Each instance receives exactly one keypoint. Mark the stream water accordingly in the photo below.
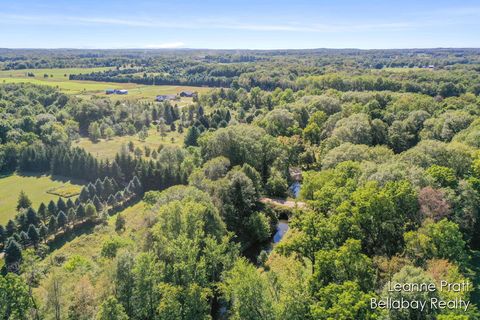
(282, 228)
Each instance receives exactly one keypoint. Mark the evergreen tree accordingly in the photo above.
(70, 203)
(97, 203)
(52, 208)
(71, 215)
(62, 219)
(13, 252)
(11, 228)
(52, 225)
(61, 205)
(107, 188)
(84, 195)
(23, 201)
(116, 172)
(42, 212)
(114, 185)
(111, 200)
(192, 136)
(99, 187)
(33, 235)
(91, 190)
(90, 210)
(43, 231)
(21, 219)
(16, 237)
(31, 217)
(24, 238)
(80, 213)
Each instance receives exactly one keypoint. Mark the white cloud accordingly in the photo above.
(166, 45)
(418, 20)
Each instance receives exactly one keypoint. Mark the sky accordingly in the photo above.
(230, 24)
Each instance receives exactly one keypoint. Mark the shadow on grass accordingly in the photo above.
(53, 177)
(86, 227)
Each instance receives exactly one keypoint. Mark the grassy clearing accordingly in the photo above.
(83, 255)
(59, 74)
(87, 89)
(107, 149)
(90, 245)
(35, 186)
(65, 191)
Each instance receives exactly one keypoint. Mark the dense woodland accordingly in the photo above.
(389, 151)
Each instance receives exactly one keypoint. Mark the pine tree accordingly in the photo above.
(42, 212)
(111, 200)
(17, 238)
(52, 208)
(116, 172)
(84, 195)
(97, 203)
(99, 187)
(31, 217)
(192, 136)
(70, 203)
(80, 213)
(62, 219)
(61, 205)
(91, 190)
(21, 219)
(11, 228)
(13, 252)
(43, 231)
(90, 210)
(33, 235)
(23, 201)
(52, 225)
(71, 215)
(114, 185)
(107, 188)
(24, 238)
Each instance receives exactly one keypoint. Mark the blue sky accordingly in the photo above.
(246, 24)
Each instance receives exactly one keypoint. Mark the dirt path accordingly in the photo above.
(284, 203)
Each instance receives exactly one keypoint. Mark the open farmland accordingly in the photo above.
(37, 187)
(59, 78)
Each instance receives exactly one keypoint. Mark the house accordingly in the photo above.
(187, 94)
(166, 97)
(110, 91)
(122, 91)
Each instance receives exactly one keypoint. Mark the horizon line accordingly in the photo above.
(239, 49)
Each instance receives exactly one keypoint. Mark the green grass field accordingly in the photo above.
(59, 78)
(87, 248)
(107, 149)
(35, 186)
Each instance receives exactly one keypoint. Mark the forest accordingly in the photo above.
(370, 158)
